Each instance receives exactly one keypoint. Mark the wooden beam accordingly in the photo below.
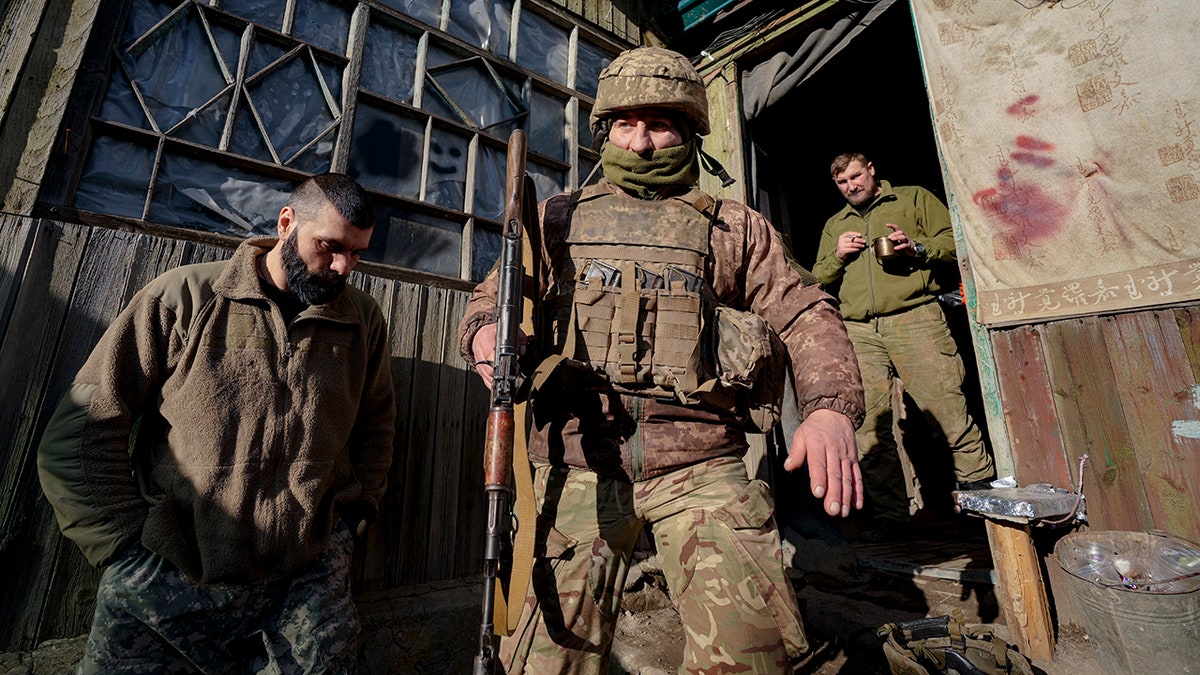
(774, 32)
(1020, 588)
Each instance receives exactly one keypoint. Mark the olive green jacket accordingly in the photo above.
(867, 286)
(250, 437)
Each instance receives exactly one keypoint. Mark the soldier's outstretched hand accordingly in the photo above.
(825, 440)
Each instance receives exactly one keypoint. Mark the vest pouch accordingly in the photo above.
(677, 321)
(944, 645)
(751, 364)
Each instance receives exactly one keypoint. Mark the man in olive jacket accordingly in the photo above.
(232, 427)
(897, 327)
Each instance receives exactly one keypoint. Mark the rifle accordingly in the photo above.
(521, 202)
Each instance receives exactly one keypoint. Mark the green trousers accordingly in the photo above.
(715, 533)
(916, 346)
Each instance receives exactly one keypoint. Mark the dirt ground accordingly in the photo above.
(844, 601)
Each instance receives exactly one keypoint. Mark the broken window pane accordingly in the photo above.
(323, 23)
(389, 72)
(115, 177)
(318, 157)
(228, 35)
(482, 23)
(547, 132)
(586, 168)
(485, 250)
(583, 128)
(490, 181)
(475, 93)
(446, 179)
(248, 139)
(216, 198)
(429, 11)
(547, 180)
(416, 241)
(143, 14)
(120, 105)
(207, 125)
(175, 69)
(265, 51)
(385, 153)
(542, 46)
(590, 62)
(268, 13)
(292, 105)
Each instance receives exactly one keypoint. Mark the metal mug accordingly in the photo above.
(884, 248)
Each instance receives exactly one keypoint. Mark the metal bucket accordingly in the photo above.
(1139, 596)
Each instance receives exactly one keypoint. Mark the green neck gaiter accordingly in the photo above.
(647, 177)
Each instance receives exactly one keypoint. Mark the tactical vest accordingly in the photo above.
(636, 303)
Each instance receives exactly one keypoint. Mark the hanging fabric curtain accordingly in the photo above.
(769, 81)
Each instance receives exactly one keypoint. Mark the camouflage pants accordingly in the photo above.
(152, 619)
(716, 535)
(917, 347)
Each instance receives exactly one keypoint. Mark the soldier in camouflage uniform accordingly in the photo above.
(639, 406)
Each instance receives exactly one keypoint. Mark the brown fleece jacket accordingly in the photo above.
(250, 437)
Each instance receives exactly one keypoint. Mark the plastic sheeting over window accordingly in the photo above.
(766, 83)
(209, 108)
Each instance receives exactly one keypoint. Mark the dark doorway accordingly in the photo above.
(869, 98)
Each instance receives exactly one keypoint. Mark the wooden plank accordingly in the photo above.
(16, 239)
(26, 363)
(1188, 320)
(1029, 412)
(33, 116)
(404, 321)
(471, 498)
(448, 485)
(724, 104)
(1020, 589)
(1158, 389)
(98, 296)
(20, 26)
(421, 445)
(1093, 422)
(369, 571)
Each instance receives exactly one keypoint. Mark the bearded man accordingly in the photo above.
(222, 444)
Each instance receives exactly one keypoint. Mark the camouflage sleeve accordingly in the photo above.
(481, 308)
(752, 269)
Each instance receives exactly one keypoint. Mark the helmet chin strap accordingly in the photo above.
(712, 166)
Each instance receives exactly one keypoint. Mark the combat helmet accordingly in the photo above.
(651, 77)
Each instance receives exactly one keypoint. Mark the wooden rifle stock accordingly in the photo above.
(498, 444)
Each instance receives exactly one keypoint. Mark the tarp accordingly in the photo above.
(767, 82)
(1069, 133)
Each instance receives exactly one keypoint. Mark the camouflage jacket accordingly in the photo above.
(639, 437)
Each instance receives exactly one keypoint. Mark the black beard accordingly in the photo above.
(313, 288)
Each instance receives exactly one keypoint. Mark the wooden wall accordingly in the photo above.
(60, 286)
(1122, 389)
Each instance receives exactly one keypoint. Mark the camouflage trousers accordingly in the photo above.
(916, 346)
(715, 533)
(152, 619)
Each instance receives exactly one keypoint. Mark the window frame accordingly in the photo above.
(101, 63)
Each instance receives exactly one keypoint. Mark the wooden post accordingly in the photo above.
(1020, 588)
